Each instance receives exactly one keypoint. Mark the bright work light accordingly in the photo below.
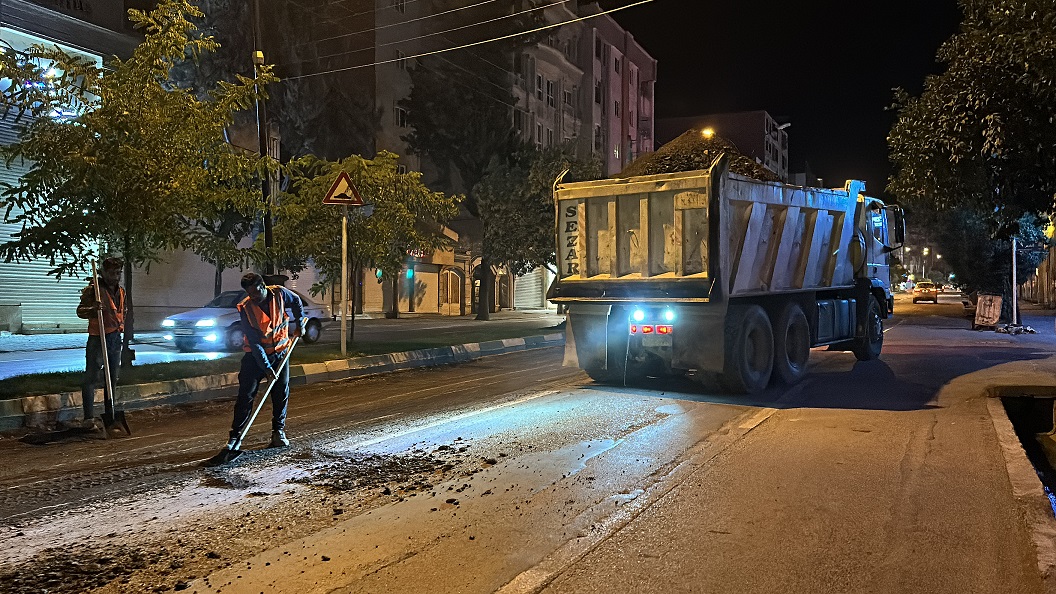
(669, 315)
(638, 315)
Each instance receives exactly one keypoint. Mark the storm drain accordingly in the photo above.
(1032, 420)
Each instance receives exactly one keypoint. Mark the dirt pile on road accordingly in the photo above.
(694, 150)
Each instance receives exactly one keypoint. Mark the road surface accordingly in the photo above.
(514, 474)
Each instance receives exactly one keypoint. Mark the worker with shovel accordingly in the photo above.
(268, 340)
(102, 302)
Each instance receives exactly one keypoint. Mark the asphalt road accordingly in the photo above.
(515, 474)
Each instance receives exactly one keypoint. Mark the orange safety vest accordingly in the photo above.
(113, 312)
(273, 324)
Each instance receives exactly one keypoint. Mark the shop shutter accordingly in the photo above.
(528, 290)
(45, 301)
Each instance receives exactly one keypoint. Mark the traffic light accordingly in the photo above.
(378, 273)
(410, 273)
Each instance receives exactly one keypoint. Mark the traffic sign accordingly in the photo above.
(343, 192)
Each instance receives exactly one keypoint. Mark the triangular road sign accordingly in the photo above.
(343, 192)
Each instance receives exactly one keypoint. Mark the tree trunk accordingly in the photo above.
(487, 285)
(394, 308)
(127, 354)
(218, 279)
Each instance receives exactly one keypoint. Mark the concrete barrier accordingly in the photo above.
(47, 410)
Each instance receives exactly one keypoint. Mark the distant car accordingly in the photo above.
(216, 326)
(925, 291)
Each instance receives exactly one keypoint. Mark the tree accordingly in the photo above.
(406, 217)
(516, 204)
(120, 156)
(975, 154)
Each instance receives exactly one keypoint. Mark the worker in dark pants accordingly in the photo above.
(269, 332)
(112, 302)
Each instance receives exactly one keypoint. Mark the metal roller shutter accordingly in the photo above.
(45, 301)
(528, 290)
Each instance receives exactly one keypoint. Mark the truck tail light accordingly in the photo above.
(664, 329)
(647, 329)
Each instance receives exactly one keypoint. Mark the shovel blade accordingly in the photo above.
(222, 457)
(115, 421)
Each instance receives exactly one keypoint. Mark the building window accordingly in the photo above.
(616, 150)
(617, 110)
(399, 5)
(401, 169)
(539, 86)
(550, 93)
(597, 138)
(518, 121)
(539, 135)
(597, 47)
(597, 92)
(401, 60)
(568, 98)
(549, 137)
(616, 64)
(400, 117)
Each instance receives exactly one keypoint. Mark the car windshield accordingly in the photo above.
(227, 299)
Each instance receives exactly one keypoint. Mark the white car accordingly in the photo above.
(217, 326)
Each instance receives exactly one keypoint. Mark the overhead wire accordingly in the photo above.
(473, 44)
(435, 33)
(399, 23)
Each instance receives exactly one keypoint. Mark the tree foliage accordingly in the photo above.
(975, 154)
(406, 217)
(516, 204)
(120, 155)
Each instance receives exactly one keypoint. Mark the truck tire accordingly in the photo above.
(749, 350)
(869, 346)
(605, 376)
(791, 344)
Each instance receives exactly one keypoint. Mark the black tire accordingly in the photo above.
(312, 331)
(791, 344)
(869, 346)
(605, 376)
(185, 345)
(233, 338)
(749, 350)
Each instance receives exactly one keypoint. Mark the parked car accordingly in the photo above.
(216, 326)
(925, 291)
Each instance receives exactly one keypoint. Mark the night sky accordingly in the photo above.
(828, 67)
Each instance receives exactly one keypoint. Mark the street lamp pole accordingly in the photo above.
(262, 143)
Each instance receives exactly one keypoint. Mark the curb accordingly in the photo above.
(41, 411)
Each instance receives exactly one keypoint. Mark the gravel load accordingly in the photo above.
(694, 150)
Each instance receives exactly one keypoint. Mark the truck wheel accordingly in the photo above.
(869, 346)
(749, 350)
(791, 344)
(605, 376)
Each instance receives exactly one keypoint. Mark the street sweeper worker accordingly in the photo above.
(269, 332)
(112, 302)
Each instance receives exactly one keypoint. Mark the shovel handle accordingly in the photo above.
(267, 391)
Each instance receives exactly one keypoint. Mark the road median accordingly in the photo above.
(50, 409)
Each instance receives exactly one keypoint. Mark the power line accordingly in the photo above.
(374, 47)
(421, 18)
(475, 43)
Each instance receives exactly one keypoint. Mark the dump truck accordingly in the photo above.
(724, 278)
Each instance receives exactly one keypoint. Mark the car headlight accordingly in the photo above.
(205, 323)
(166, 323)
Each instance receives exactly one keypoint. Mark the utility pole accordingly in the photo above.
(262, 142)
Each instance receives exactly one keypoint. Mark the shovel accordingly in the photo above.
(110, 420)
(227, 455)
